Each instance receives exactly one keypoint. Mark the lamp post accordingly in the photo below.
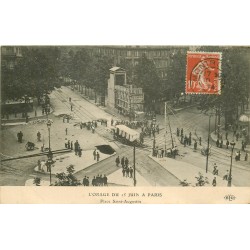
(134, 168)
(208, 142)
(50, 155)
(229, 183)
(154, 124)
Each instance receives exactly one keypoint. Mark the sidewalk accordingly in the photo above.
(186, 171)
(80, 163)
(238, 144)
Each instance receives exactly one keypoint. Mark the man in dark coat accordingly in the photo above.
(123, 161)
(105, 180)
(117, 161)
(126, 162)
(76, 144)
(94, 181)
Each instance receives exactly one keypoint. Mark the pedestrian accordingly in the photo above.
(221, 143)
(93, 129)
(101, 181)
(39, 165)
(182, 139)
(236, 156)
(227, 143)
(182, 132)
(76, 146)
(189, 140)
(200, 141)
(66, 131)
(243, 146)
(195, 145)
(123, 171)
(239, 155)
(246, 156)
(66, 142)
(131, 172)
(127, 172)
(178, 132)
(117, 161)
(217, 143)
(162, 153)
(225, 177)
(79, 152)
(20, 137)
(126, 162)
(87, 181)
(84, 181)
(71, 107)
(94, 154)
(94, 181)
(71, 145)
(215, 171)
(214, 182)
(105, 180)
(159, 153)
(97, 156)
(38, 136)
(122, 162)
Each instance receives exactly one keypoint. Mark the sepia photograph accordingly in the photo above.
(125, 116)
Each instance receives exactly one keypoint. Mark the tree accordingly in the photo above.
(37, 71)
(176, 73)
(67, 179)
(146, 77)
(235, 80)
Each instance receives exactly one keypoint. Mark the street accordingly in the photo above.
(17, 172)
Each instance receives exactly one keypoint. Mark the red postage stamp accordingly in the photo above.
(203, 73)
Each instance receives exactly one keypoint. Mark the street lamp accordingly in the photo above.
(229, 183)
(154, 124)
(50, 155)
(208, 141)
(134, 168)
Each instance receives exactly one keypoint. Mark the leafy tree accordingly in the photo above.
(35, 72)
(146, 77)
(235, 80)
(176, 73)
(67, 179)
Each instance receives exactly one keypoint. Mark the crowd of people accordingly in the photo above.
(127, 171)
(98, 180)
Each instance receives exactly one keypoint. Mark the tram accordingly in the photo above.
(127, 135)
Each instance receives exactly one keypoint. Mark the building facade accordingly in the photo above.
(130, 55)
(10, 56)
(126, 98)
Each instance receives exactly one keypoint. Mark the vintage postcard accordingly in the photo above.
(125, 124)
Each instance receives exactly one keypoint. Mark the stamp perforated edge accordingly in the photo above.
(219, 82)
